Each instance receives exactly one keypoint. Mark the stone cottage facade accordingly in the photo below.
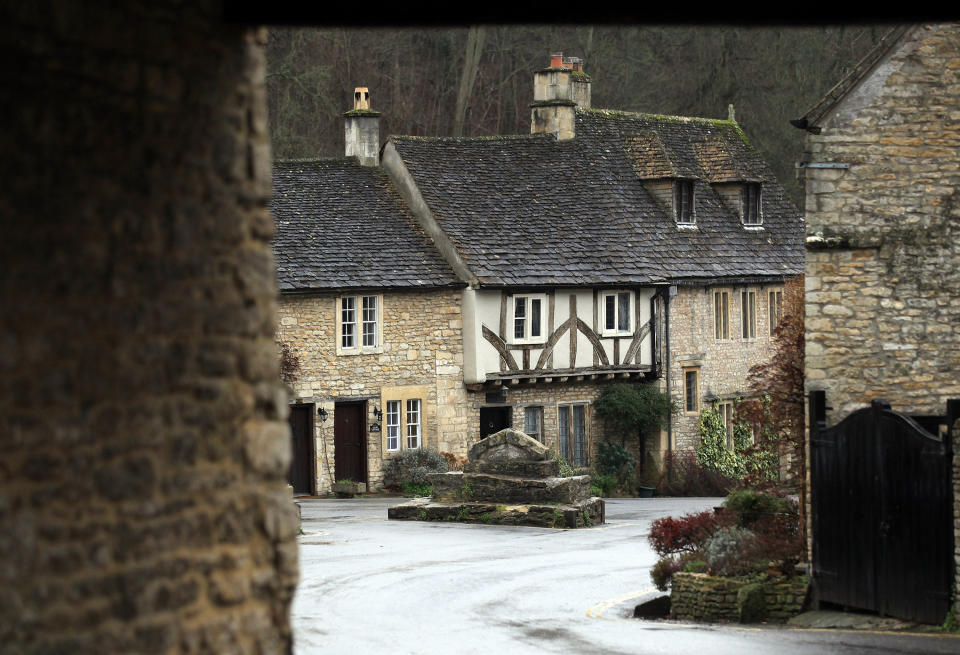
(604, 247)
(371, 318)
(652, 246)
(881, 173)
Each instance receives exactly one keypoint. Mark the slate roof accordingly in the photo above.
(340, 225)
(533, 211)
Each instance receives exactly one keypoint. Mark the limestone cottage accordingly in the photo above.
(515, 276)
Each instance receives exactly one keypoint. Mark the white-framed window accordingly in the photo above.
(393, 425)
(691, 390)
(721, 314)
(683, 202)
(348, 322)
(750, 204)
(413, 423)
(776, 309)
(572, 433)
(533, 422)
(616, 313)
(359, 326)
(527, 318)
(748, 314)
(370, 322)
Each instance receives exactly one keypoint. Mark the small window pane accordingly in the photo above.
(623, 312)
(393, 425)
(348, 322)
(534, 317)
(533, 422)
(369, 321)
(519, 318)
(563, 431)
(413, 424)
(610, 312)
(690, 391)
(579, 436)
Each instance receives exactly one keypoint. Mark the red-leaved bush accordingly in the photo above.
(685, 534)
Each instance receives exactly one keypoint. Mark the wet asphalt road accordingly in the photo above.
(369, 585)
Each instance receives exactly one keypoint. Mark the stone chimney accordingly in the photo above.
(557, 93)
(362, 129)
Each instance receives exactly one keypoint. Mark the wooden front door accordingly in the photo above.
(350, 452)
(300, 475)
(494, 419)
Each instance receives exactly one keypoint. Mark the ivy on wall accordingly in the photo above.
(739, 463)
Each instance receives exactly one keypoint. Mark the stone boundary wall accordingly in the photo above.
(701, 597)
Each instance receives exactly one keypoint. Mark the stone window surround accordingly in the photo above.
(586, 429)
(775, 308)
(748, 319)
(402, 395)
(511, 309)
(691, 404)
(538, 410)
(721, 314)
(726, 413)
(615, 332)
(359, 349)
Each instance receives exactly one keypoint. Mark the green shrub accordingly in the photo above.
(750, 506)
(414, 489)
(412, 466)
(603, 485)
(752, 603)
(695, 566)
(566, 470)
(662, 572)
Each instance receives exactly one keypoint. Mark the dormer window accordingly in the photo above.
(683, 202)
(750, 204)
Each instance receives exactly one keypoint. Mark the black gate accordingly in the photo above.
(882, 512)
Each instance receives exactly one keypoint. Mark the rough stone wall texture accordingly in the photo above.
(883, 257)
(422, 346)
(723, 364)
(550, 397)
(143, 507)
(700, 597)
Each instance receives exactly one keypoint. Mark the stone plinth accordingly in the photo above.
(509, 479)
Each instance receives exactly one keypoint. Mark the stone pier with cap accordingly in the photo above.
(509, 479)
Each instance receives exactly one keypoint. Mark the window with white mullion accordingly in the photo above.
(533, 422)
(750, 204)
(617, 313)
(520, 318)
(413, 424)
(527, 318)
(393, 425)
(369, 321)
(348, 322)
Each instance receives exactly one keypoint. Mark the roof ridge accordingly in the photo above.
(466, 139)
(659, 117)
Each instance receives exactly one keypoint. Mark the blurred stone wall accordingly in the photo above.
(143, 506)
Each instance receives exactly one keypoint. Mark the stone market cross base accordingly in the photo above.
(576, 515)
(509, 479)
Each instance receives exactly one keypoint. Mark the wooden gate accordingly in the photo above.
(882, 512)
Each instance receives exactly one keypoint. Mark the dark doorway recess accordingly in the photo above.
(494, 419)
(300, 475)
(349, 447)
(882, 511)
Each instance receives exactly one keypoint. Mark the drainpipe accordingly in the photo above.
(671, 292)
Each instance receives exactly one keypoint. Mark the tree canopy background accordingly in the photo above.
(478, 81)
